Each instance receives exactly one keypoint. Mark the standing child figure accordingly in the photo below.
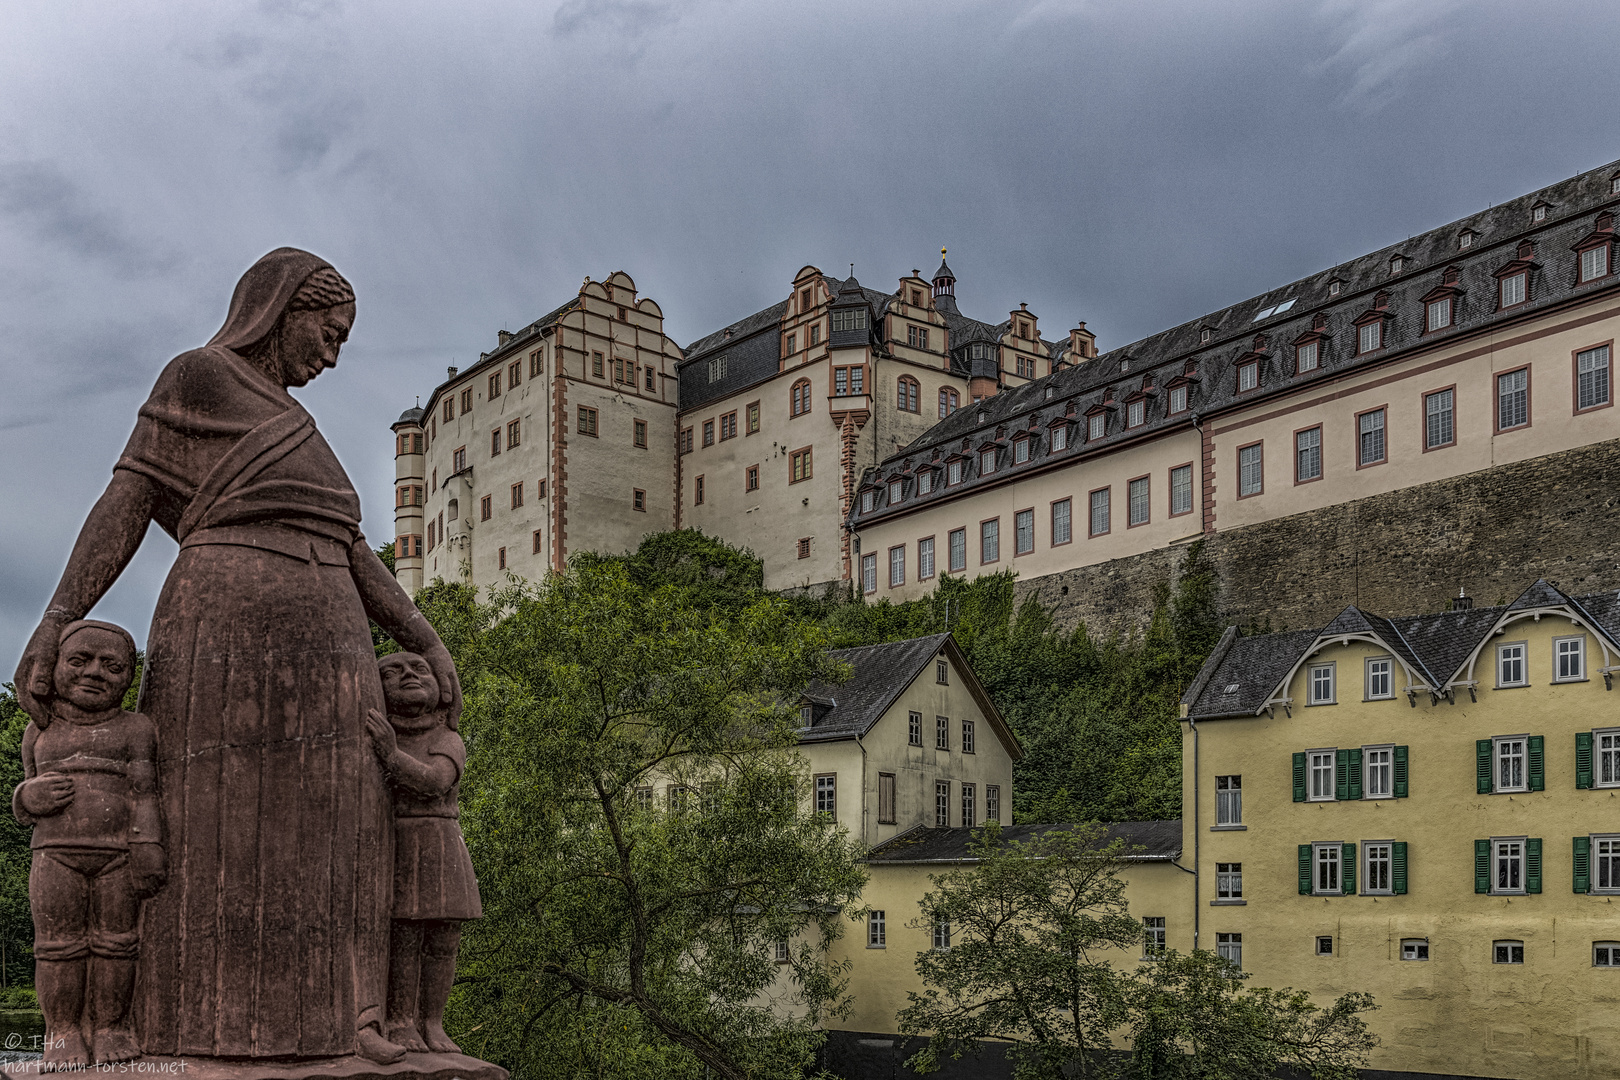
(90, 793)
(434, 886)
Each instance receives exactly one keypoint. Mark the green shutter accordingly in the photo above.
(1347, 870)
(1482, 754)
(1532, 865)
(1299, 777)
(1341, 774)
(1304, 869)
(1583, 759)
(1397, 868)
(1583, 864)
(1401, 758)
(1538, 763)
(1482, 866)
(1355, 773)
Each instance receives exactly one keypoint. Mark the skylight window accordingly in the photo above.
(1277, 310)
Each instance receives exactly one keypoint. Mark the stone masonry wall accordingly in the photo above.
(1491, 533)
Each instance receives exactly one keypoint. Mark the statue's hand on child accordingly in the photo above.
(46, 795)
(148, 867)
(383, 739)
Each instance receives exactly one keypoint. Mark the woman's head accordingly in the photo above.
(290, 316)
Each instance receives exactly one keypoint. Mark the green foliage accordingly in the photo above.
(19, 998)
(1193, 1018)
(1033, 927)
(16, 917)
(620, 937)
(709, 572)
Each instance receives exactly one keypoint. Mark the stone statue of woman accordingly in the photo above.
(271, 936)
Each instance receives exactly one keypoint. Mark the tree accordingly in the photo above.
(1193, 1017)
(1032, 928)
(624, 935)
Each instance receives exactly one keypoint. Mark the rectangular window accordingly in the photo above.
(1370, 337)
(792, 344)
(1439, 423)
(1592, 378)
(804, 545)
(1507, 952)
(697, 491)
(1324, 945)
(1060, 438)
(1024, 532)
(1135, 414)
(967, 737)
(466, 401)
(728, 426)
(686, 440)
(495, 443)
(849, 319)
(815, 334)
(925, 481)
(1152, 935)
(1510, 869)
(987, 462)
(1099, 512)
(1608, 758)
(517, 495)
(869, 573)
(638, 500)
(897, 565)
(1606, 954)
(500, 557)
(896, 490)
(1020, 451)
(587, 421)
(537, 543)
(514, 433)
(486, 508)
(1414, 948)
(1377, 772)
(449, 408)
(1370, 437)
(953, 472)
(942, 733)
(1510, 669)
(1181, 493)
(1229, 881)
(942, 673)
(942, 804)
(1513, 399)
(992, 802)
(1229, 947)
(597, 364)
(969, 810)
(799, 466)
(1096, 426)
(514, 373)
(495, 385)
(639, 433)
(1513, 289)
(1320, 766)
(914, 728)
(1606, 863)
(1380, 679)
(1140, 504)
(958, 553)
(877, 931)
(827, 793)
(1326, 858)
(990, 540)
(751, 478)
(868, 501)
(1229, 800)
(1251, 470)
(1248, 377)
(925, 559)
(942, 935)
(1178, 399)
(885, 798)
(652, 378)
(1062, 525)
(1511, 771)
(1569, 656)
(1308, 455)
(1439, 314)
(1594, 262)
(708, 433)
(1305, 357)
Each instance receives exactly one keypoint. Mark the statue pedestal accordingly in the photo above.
(411, 1067)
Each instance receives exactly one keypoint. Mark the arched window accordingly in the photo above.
(801, 397)
(948, 402)
(909, 395)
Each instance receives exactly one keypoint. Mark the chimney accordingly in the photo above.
(1462, 601)
(503, 336)
(451, 371)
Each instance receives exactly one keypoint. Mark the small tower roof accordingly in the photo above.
(944, 271)
(410, 416)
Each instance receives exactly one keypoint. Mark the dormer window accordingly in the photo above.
(717, 368)
(1333, 288)
(1020, 451)
(1397, 264)
(1595, 262)
(987, 462)
(1205, 335)
(1178, 399)
(1515, 288)
(1614, 184)
(849, 319)
(925, 481)
(953, 472)
(1248, 376)
(1538, 212)
(896, 490)
(1135, 414)
(1370, 337)
(1060, 438)
(1307, 357)
(1438, 314)
(1465, 240)
(1096, 425)
(868, 501)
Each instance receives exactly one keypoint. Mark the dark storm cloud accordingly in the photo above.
(1133, 165)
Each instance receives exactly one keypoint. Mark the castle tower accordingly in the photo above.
(410, 496)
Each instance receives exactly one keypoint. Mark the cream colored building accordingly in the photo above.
(1482, 343)
(560, 440)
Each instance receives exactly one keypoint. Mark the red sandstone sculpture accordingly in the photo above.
(270, 942)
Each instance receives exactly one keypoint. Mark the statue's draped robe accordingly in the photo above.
(270, 939)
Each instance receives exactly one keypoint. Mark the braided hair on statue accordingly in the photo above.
(323, 289)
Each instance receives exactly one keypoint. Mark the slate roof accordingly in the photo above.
(410, 416)
(1574, 205)
(520, 340)
(1240, 679)
(879, 674)
(1155, 840)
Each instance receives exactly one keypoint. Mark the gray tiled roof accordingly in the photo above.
(1165, 355)
(879, 674)
(1143, 840)
(1239, 681)
(520, 340)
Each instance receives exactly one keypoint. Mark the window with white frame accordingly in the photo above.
(925, 481)
(1439, 419)
(782, 956)
(1306, 357)
(897, 566)
(1251, 470)
(914, 729)
(1512, 771)
(1413, 948)
(942, 804)
(967, 737)
(958, 553)
(1376, 877)
(869, 573)
(1060, 438)
(1024, 532)
(1513, 399)
(992, 802)
(1229, 800)
(1569, 659)
(1308, 454)
(1370, 431)
(896, 491)
(1607, 744)
(1099, 512)
(987, 462)
(1140, 501)
(1507, 952)
(1326, 858)
(953, 472)
(1135, 413)
(1229, 881)
(1606, 954)
(868, 501)
(1377, 772)
(1020, 451)
(1248, 377)
(1152, 935)
(1606, 864)
(1319, 768)
(1178, 399)
(1380, 678)
(1594, 262)
(1510, 667)
(1439, 314)
(942, 934)
(1062, 523)
(1096, 425)
(942, 733)
(1370, 337)
(877, 930)
(1322, 679)
(1513, 289)
(970, 811)
(1181, 489)
(827, 794)
(1229, 947)
(990, 540)
(1508, 856)
(925, 559)
(1592, 377)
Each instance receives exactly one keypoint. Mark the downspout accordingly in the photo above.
(1196, 834)
(862, 748)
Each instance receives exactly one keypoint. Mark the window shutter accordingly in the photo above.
(1583, 864)
(1304, 869)
(1583, 759)
(1299, 777)
(1401, 758)
(1532, 865)
(1482, 752)
(1355, 773)
(1482, 866)
(1341, 774)
(1347, 870)
(1538, 762)
(1397, 868)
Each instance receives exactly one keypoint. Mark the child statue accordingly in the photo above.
(90, 794)
(434, 886)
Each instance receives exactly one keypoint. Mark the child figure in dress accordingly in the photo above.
(434, 887)
(90, 793)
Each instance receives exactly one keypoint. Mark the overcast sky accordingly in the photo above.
(466, 165)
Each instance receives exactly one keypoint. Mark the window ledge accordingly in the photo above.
(1228, 828)
(1228, 903)
(1561, 682)
(869, 947)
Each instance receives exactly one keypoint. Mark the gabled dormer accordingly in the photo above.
(1372, 326)
(849, 317)
(1310, 347)
(1594, 252)
(1440, 302)
(1513, 278)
